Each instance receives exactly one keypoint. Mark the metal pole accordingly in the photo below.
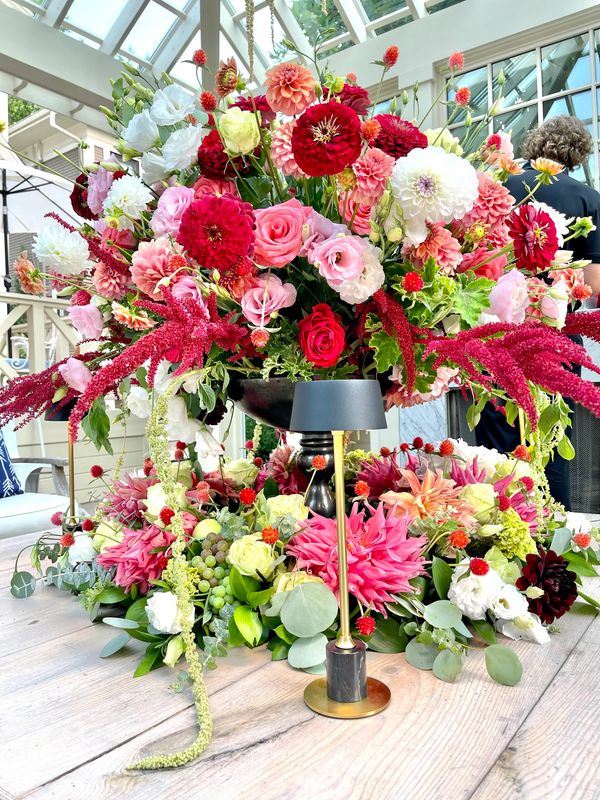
(71, 456)
(6, 277)
(344, 639)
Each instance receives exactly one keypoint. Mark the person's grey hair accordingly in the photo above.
(563, 139)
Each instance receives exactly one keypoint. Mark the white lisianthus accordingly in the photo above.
(60, 249)
(288, 581)
(156, 499)
(577, 522)
(481, 497)
(561, 223)
(473, 594)
(142, 133)
(162, 378)
(368, 282)
(443, 138)
(153, 168)
(126, 200)
(488, 459)
(239, 131)
(180, 150)
(163, 612)
(179, 425)
(171, 105)
(431, 185)
(509, 603)
(292, 504)
(251, 556)
(562, 258)
(82, 549)
(240, 471)
(208, 450)
(527, 626)
(138, 402)
(107, 533)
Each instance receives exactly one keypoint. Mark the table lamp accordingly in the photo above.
(339, 406)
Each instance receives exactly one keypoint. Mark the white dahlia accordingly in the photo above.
(60, 249)
(431, 185)
(126, 200)
(368, 282)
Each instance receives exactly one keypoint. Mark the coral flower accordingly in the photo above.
(29, 276)
(226, 77)
(439, 245)
(428, 496)
(281, 150)
(152, 262)
(137, 320)
(547, 166)
(493, 204)
(109, 282)
(290, 88)
(139, 558)
(326, 139)
(382, 558)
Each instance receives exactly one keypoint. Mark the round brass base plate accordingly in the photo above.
(378, 697)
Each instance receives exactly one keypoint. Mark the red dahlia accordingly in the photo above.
(582, 539)
(80, 298)
(534, 236)
(462, 96)
(216, 231)
(355, 97)
(527, 483)
(214, 162)
(260, 338)
(247, 496)
(366, 626)
(397, 136)
(456, 61)
(258, 103)
(522, 453)
(548, 571)
(326, 138)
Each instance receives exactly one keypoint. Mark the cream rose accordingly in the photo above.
(240, 471)
(251, 556)
(163, 613)
(289, 580)
(288, 504)
(107, 534)
(239, 131)
(156, 499)
(481, 496)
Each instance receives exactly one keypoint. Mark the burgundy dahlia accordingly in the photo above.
(397, 136)
(217, 230)
(534, 237)
(214, 162)
(260, 103)
(355, 97)
(79, 197)
(326, 139)
(548, 571)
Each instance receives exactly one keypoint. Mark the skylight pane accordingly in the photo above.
(80, 38)
(98, 20)
(187, 72)
(269, 45)
(313, 21)
(149, 31)
(379, 8)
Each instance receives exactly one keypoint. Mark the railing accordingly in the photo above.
(34, 333)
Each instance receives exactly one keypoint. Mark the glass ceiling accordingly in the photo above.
(161, 34)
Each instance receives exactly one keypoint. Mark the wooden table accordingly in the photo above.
(71, 722)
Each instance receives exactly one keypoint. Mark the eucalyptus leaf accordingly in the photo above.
(22, 585)
(114, 645)
(121, 622)
(561, 540)
(318, 669)
(463, 630)
(421, 655)
(308, 652)
(447, 666)
(279, 649)
(503, 664)
(277, 602)
(442, 614)
(310, 609)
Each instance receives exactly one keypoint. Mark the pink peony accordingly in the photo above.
(109, 282)
(509, 298)
(382, 558)
(75, 374)
(267, 295)
(359, 217)
(87, 320)
(139, 558)
(339, 259)
(372, 170)
(281, 150)
(171, 205)
(316, 230)
(205, 186)
(279, 233)
(439, 245)
(152, 262)
(494, 265)
(126, 500)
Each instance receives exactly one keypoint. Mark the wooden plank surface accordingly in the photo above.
(71, 723)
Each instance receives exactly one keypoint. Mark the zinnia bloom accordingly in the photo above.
(382, 558)
(326, 139)
(534, 236)
(139, 558)
(290, 88)
(216, 231)
(548, 571)
(397, 136)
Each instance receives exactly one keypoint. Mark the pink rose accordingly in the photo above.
(75, 374)
(186, 287)
(279, 233)
(554, 302)
(339, 259)
(267, 295)
(361, 223)
(171, 205)
(87, 320)
(214, 186)
(509, 298)
(484, 263)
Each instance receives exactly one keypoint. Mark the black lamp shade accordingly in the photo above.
(344, 405)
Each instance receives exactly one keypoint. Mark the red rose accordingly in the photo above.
(321, 336)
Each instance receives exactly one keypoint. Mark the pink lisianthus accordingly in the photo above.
(139, 558)
(171, 205)
(152, 262)
(509, 298)
(75, 374)
(279, 233)
(372, 170)
(439, 245)
(205, 186)
(484, 263)
(382, 558)
(358, 216)
(339, 259)
(267, 295)
(87, 320)
(316, 230)
(186, 286)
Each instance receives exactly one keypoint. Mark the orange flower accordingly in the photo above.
(29, 276)
(429, 496)
(136, 320)
(290, 88)
(547, 166)
(509, 165)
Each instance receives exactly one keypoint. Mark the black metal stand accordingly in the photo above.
(319, 497)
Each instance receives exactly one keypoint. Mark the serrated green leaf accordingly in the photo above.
(548, 418)
(447, 666)
(503, 664)
(387, 350)
(114, 645)
(442, 576)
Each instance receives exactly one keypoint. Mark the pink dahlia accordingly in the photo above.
(282, 467)
(281, 150)
(372, 170)
(494, 203)
(109, 282)
(355, 97)
(213, 186)
(139, 558)
(152, 262)
(381, 474)
(126, 500)
(216, 231)
(382, 558)
(439, 245)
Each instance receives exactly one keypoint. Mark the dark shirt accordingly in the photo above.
(569, 196)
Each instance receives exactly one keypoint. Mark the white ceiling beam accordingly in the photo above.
(122, 26)
(388, 19)
(56, 11)
(210, 25)
(291, 27)
(354, 18)
(417, 8)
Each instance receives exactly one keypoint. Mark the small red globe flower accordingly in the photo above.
(405, 447)
(446, 448)
(247, 496)
(199, 58)
(418, 443)
(429, 448)
(56, 518)
(148, 466)
(249, 444)
(87, 525)
(318, 462)
(351, 77)
(459, 539)
(527, 483)
(412, 282)
(208, 101)
(479, 566)
(385, 452)
(181, 445)
(366, 626)
(494, 141)
(503, 502)
(67, 539)
(456, 61)
(96, 471)
(362, 489)
(178, 455)
(390, 57)
(521, 453)
(582, 539)
(369, 129)
(462, 96)
(260, 338)
(270, 535)
(166, 515)
(258, 462)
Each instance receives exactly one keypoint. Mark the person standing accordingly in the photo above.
(567, 141)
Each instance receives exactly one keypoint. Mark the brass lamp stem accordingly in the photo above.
(522, 426)
(344, 639)
(71, 456)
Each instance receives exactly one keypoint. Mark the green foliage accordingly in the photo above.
(442, 576)
(96, 425)
(471, 297)
(310, 609)
(22, 585)
(114, 645)
(268, 438)
(447, 666)
(503, 665)
(308, 652)
(420, 654)
(248, 624)
(442, 614)
(18, 109)
(389, 637)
